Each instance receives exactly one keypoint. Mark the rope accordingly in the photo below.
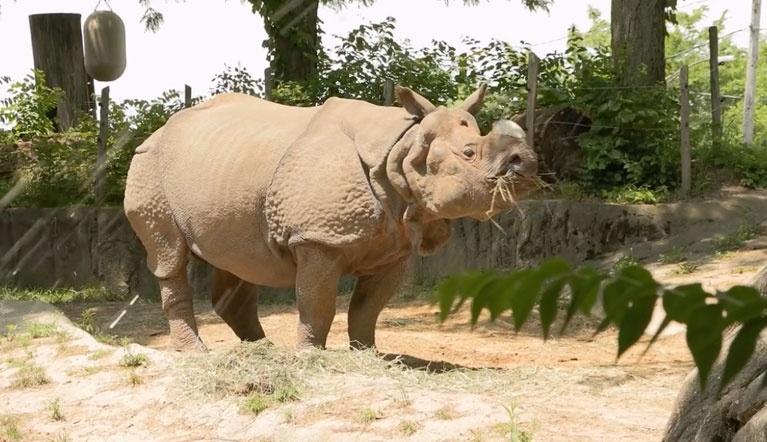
(597, 126)
(95, 8)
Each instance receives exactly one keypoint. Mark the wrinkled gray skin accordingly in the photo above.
(297, 197)
(739, 413)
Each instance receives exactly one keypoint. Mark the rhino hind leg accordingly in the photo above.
(150, 217)
(371, 293)
(236, 302)
(177, 304)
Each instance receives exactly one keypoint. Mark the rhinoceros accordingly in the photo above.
(283, 196)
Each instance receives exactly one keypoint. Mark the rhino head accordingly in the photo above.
(445, 169)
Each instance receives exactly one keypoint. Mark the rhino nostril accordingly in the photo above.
(515, 161)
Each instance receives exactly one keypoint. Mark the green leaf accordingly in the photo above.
(616, 301)
(490, 293)
(497, 297)
(584, 286)
(522, 296)
(528, 290)
(742, 303)
(741, 349)
(637, 274)
(704, 337)
(587, 285)
(548, 304)
(635, 321)
(681, 301)
(446, 294)
(464, 286)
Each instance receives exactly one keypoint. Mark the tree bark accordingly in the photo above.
(294, 37)
(760, 281)
(57, 49)
(638, 33)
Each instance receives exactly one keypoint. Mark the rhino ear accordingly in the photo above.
(473, 103)
(414, 103)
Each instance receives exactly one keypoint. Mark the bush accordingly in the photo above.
(29, 107)
(633, 140)
(57, 169)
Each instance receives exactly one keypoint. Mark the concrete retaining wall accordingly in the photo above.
(46, 248)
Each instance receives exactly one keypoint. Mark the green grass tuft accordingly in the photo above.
(445, 413)
(29, 375)
(134, 379)
(9, 429)
(409, 428)
(255, 403)
(367, 416)
(55, 408)
(98, 354)
(673, 256)
(287, 393)
(130, 360)
(685, 268)
(737, 239)
(60, 295)
(41, 330)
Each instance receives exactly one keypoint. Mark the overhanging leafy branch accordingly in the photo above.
(628, 298)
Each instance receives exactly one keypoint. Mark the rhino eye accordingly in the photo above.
(468, 152)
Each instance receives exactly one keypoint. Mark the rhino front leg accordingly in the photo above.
(317, 275)
(236, 302)
(371, 294)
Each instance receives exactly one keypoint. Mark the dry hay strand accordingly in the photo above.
(505, 187)
(502, 184)
(267, 369)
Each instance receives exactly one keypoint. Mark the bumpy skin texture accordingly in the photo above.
(297, 197)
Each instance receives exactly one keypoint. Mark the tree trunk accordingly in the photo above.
(57, 48)
(760, 281)
(638, 34)
(294, 36)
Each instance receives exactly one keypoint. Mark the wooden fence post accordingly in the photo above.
(716, 101)
(187, 96)
(268, 83)
(101, 158)
(388, 93)
(749, 96)
(684, 100)
(532, 94)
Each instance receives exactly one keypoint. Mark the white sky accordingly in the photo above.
(200, 36)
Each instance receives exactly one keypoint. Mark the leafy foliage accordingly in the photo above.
(47, 169)
(152, 18)
(629, 154)
(726, 160)
(237, 79)
(634, 195)
(29, 105)
(625, 298)
(633, 136)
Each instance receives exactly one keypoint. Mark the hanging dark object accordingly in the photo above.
(104, 43)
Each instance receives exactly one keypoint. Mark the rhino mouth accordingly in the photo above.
(506, 188)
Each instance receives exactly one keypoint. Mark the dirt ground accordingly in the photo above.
(488, 383)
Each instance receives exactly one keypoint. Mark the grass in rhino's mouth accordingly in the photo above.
(505, 189)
